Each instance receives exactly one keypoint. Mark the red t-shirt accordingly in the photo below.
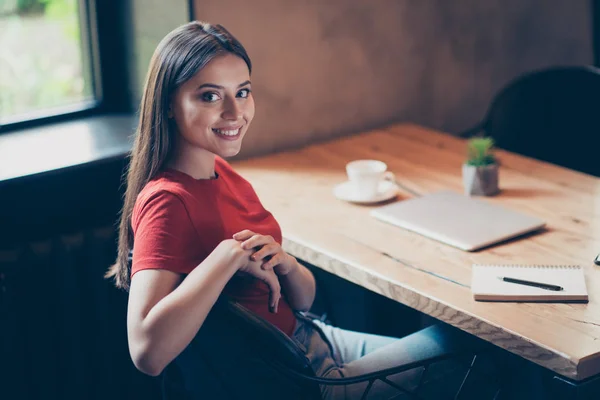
(178, 221)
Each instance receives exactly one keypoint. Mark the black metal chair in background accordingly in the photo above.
(551, 115)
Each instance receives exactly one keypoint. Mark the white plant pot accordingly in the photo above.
(480, 181)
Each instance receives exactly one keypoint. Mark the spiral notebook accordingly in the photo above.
(487, 283)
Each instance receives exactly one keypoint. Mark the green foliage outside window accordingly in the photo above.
(41, 56)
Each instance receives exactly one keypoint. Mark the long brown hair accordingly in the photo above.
(177, 58)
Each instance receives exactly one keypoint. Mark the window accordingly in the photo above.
(45, 59)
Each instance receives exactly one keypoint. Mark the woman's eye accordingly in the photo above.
(210, 96)
(244, 93)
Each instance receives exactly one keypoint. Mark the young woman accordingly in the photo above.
(197, 228)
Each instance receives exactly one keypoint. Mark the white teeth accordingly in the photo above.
(227, 132)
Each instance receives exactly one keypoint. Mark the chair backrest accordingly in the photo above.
(233, 357)
(551, 115)
(272, 341)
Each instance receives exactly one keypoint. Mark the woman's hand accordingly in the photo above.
(240, 257)
(297, 282)
(232, 252)
(267, 251)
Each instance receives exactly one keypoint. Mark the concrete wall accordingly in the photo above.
(328, 68)
(335, 67)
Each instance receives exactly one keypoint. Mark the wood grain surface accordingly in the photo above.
(296, 186)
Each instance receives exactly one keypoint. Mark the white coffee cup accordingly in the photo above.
(365, 176)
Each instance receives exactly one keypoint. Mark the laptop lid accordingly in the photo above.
(458, 220)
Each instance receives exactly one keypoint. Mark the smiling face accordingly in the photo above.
(213, 109)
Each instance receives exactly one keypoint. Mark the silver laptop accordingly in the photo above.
(458, 220)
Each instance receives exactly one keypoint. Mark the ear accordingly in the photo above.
(170, 113)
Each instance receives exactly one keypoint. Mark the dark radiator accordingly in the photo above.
(62, 325)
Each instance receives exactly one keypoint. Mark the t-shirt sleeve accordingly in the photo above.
(164, 236)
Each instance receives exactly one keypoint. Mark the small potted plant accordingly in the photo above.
(480, 171)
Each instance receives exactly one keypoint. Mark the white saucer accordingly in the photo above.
(345, 191)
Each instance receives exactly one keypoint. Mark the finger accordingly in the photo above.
(266, 251)
(275, 291)
(270, 264)
(256, 241)
(243, 235)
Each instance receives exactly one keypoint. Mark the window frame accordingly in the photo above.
(103, 48)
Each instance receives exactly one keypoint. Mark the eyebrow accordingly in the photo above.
(212, 85)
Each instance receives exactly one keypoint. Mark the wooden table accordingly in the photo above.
(343, 239)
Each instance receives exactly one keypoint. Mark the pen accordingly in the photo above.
(530, 283)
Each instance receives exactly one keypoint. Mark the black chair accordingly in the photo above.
(237, 354)
(551, 115)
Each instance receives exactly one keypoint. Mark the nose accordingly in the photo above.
(231, 110)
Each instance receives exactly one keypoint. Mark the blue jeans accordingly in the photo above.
(337, 353)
